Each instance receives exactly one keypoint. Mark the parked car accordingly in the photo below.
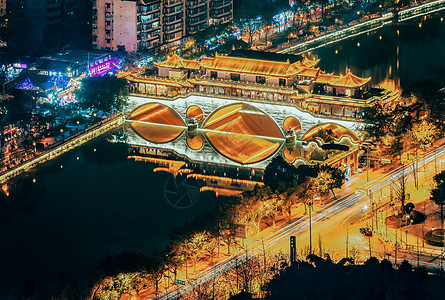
(366, 232)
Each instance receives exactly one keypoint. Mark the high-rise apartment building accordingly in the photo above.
(48, 25)
(144, 24)
(2, 8)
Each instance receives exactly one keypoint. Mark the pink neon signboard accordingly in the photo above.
(101, 68)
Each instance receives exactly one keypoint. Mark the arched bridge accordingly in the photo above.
(235, 132)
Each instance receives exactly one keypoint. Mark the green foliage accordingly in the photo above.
(383, 121)
(438, 194)
(409, 207)
(337, 174)
(416, 217)
(327, 135)
(103, 93)
(279, 172)
(319, 278)
(18, 108)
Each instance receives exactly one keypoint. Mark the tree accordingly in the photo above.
(337, 177)
(289, 200)
(278, 170)
(267, 15)
(248, 18)
(424, 133)
(400, 186)
(322, 184)
(274, 206)
(18, 109)
(103, 93)
(304, 193)
(156, 273)
(438, 194)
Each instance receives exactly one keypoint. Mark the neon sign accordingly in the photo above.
(20, 66)
(101, 68)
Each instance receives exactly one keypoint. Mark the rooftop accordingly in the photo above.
(77, 56)
(270, 56)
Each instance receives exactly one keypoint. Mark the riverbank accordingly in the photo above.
(366, 24)
(65, 145)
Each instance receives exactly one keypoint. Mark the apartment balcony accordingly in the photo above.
(198, 13)
(172, 13)
(221, 15)
(144, 13)
(166, 22)
(147, 30)
(220, 5)
(151, 38)
(175, 30)
(172, 3)
(190, 23)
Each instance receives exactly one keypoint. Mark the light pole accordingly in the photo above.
(310, 227)
(406, 239)
(367, 164)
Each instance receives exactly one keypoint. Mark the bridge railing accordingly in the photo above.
(420, 10)
(336, 36)
(67, 144)
(255, 100)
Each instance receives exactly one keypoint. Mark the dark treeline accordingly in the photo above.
(318, 278)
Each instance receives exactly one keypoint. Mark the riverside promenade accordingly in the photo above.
(359, 27)
(66, 145)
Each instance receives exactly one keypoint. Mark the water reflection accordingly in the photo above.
(404, 54)
(21, 196)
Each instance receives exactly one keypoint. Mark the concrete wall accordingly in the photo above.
(163, 72)
(223, 75)
(272, 80)
(122, 25)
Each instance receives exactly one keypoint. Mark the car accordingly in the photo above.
(366, 232)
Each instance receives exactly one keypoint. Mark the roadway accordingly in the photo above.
(332, 220)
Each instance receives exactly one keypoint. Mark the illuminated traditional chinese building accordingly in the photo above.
(264, 76)
(252, 106)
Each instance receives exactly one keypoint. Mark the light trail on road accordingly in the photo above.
(299, 225)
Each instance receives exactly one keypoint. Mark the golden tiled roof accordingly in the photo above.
(176, 62)
(349, 81)
(325, 78)
(251, 66)
(309, 72)
(308, 63)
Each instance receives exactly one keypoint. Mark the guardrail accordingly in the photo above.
(339, 35)
(67, 145)
(420, 10)
(364, 27)
(254, 100)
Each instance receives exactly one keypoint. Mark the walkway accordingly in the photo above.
(66, 145)
(362, 26)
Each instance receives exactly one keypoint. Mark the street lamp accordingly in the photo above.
(310, 227)
(406, 239)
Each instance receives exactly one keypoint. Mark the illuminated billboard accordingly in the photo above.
(102, 68)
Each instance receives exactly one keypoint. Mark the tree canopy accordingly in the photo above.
(103, 93)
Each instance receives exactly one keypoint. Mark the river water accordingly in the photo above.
(94, 201)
